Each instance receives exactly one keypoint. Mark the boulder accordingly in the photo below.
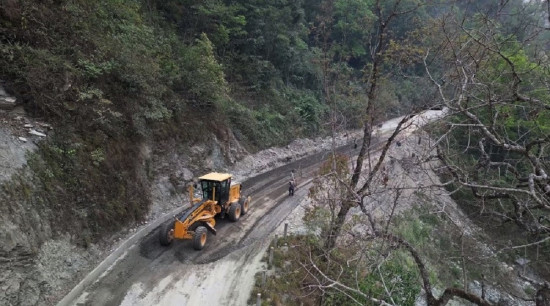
(36, 133)
(7, 102)
(187, 174)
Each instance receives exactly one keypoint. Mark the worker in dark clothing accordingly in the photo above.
(290, 188)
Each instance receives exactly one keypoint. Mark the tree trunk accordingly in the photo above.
(336, 226)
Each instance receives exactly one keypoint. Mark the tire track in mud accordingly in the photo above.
(270, 220)
(261, 228)
(148, 262)
(259, 187)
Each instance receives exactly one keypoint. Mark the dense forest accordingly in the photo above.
(111, 75)
(486, 65)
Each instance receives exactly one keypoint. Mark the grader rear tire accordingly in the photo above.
(166, 234)
(235, 212)
(244, 202)
(199, 238)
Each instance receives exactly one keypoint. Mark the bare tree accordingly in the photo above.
(495, 86)
(497, 89)
(379, 237)
(378, 45)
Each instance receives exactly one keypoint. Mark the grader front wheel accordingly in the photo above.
(166, 234)
(199, 238)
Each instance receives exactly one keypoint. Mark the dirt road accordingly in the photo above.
(223, 272)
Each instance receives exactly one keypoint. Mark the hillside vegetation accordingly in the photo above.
(111, 75)
(383, 238)
(115, 78)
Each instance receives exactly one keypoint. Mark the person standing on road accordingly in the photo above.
(290, 188)
(293, 178)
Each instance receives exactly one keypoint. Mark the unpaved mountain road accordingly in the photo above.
(151, 274)
(223, 272)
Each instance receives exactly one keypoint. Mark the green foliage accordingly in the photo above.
(92, 70)
(353, 23)
(201, 75)
(275, 120)
(294, 285)
(310, 111)
(102, 75)
(222, 22)
(414, 231)
(258, 128)
(398, 273)
(113, 74)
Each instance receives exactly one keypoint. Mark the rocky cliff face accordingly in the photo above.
(23, 226)
(24, 223)
(38, 262)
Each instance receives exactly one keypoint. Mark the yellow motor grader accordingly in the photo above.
(219, 197)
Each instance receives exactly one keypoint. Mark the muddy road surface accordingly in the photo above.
(223, 272)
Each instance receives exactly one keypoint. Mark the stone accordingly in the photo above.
(29, 293)
(7, 103)
(23, 139)
(187, 175)
(36, 133)
(45, 125)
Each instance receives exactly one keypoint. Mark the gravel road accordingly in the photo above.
(223, 272)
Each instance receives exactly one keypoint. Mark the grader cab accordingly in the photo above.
(219, 198)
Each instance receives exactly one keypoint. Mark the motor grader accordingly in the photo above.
(219, 198)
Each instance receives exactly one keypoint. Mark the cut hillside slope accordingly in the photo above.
(40, 264)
